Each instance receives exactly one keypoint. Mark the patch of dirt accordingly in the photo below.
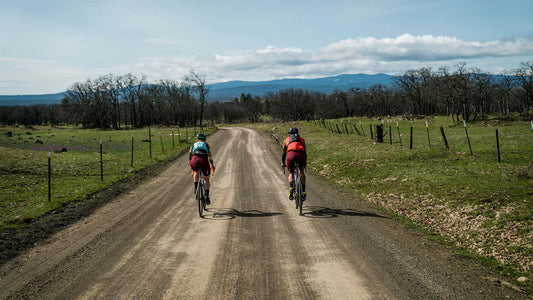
(14, 241)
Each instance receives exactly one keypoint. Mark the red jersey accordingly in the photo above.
(295, 145)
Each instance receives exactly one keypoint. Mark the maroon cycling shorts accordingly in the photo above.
(200, 162)
(294, 157)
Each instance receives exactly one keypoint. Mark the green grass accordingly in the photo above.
(479, 205)
(75, 173)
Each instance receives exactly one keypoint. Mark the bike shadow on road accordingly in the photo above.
(231, 213)
(326, 212)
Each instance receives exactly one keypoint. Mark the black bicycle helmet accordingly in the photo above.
(293, 130)
(200, 136)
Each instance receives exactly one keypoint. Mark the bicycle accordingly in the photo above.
(298, 191)
(200, 194)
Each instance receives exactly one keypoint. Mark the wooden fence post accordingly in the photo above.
(390, 134)
(150, 140)
(161, 138)
(427, 129)
(101, 162)
(132, 150)
(356, 130)
(49, 177)
(498, 145)
(172, 132)
(444, 138)
(411, 140)
(379, 133)
(399, 136)
(468, 138)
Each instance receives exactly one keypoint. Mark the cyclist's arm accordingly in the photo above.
(284, 154)
(209, 154)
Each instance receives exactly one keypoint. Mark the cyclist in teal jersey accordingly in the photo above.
(200, 158)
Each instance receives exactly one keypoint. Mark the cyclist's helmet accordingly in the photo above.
(293, 130)
(200, 136)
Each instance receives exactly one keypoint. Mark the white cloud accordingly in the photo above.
(360, 55)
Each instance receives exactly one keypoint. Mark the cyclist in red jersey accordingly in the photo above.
(200, 158)
(294, 151)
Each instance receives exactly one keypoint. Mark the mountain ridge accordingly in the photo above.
(229, 90)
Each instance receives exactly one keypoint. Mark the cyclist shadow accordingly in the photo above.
(231, 213)
(326, 212)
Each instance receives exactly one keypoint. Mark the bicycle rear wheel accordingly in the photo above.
(200, 197)
(296, 184)
(300, 197)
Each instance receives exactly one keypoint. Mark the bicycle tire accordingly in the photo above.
(204, 202)
(296, 180)
(300, 197)
(200, 196)
(199, 200)
(298, 189)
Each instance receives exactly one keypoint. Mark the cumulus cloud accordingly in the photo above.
(361, 55)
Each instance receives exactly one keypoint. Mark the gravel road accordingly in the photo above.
(150, 243)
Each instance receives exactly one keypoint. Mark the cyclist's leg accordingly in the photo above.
(194, 167)
(291, 185)
(207, 182)
(302, 178)
(196, 178)
(302, 175)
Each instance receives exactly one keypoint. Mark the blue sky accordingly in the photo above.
(47, 45)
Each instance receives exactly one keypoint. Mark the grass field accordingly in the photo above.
(76, 173)
(481, 206)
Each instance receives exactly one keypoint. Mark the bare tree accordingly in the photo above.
(201, 88)
(525, 91)
(414, 86)
(505, 87)
(482, 85)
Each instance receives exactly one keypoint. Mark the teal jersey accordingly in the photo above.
(200, 148)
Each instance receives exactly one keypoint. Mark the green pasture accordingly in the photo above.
(454, 173)
(76, 172)
(471, 201)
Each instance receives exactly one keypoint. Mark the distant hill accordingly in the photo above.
(228, 90)
(232, 89)
(31, 99)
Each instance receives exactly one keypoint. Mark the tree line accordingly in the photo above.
(111, 101)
